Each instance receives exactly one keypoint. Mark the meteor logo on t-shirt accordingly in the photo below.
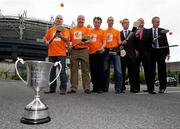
(93, 38)
(78, 35)
(109, 37)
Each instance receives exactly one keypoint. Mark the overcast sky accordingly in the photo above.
(167, 10)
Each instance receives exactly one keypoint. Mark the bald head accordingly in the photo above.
(59, 20)
(80, 20)
(110, 22)
(110, 19)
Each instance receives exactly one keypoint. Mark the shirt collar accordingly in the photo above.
(125, 30)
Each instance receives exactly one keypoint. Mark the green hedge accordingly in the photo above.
(22, 73)
(141, 77)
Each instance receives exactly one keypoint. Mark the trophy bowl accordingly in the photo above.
(36, 112)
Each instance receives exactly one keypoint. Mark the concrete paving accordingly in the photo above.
(92, 111)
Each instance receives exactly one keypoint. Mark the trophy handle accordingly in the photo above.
(22, 62)
(60, 67)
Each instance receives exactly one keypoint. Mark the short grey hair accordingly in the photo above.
(156, 17)
(81, 16)
(59, 16)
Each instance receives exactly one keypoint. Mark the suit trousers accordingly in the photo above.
(145, 58)
(158, 58)
(97, 71)
(129, 62)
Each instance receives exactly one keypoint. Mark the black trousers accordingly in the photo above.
(97, 71)
(159, 59)
(145, 59)
(129, 62)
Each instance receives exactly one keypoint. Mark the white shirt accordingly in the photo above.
(156, 45)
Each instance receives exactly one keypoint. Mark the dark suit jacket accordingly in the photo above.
(162, 42)
(129, 47)
(145, 44)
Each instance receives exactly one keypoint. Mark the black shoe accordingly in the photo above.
(87, 91)
(161, 91)
(124, 88)
(145, 91)
(71, 92)
(122, 91)
(105, 90)
(117, 91)
(134, 91)
(99, 91)
(49, 92)
(152, 92)
(94, 91)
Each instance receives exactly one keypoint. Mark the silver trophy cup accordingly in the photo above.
(38, 73)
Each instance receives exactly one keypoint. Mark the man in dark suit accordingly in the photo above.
(159, 54)
(128, 61)
(143, 48)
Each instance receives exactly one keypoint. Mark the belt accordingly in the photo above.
(116, 49)
(79, 48)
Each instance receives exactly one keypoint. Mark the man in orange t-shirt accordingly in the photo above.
(96, 55)
(57, 38)
(113, 41)
(80, 38)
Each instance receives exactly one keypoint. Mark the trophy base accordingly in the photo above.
(35, 121)
(35, 116)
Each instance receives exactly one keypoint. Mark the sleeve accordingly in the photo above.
(71, 34)
(134, 29)
(119, 37)
(104, 35)
(88, 32)
(135, 41)
(47, 36)
(67, 34)
(166, 44)
(150, 37)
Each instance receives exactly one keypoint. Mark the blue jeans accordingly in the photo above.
(63, 76)
(117, 71)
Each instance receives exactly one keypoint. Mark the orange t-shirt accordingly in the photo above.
(97, 37)
(77, 33)
(112, 38)
(57, 46)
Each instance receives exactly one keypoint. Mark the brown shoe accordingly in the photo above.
(49, 92)
(71, 92)
(87, 91)
(62, 92)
